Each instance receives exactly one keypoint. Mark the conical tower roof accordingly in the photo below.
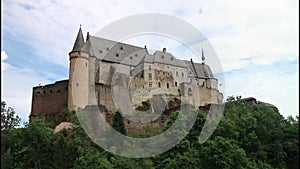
(79, 42)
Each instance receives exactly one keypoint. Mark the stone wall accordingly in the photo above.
(49, 100)
(104, 96)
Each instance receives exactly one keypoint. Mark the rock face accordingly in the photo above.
(63, 125)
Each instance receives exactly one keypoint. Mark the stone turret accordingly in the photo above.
(79, 74)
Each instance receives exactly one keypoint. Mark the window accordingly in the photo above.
(121, 48)
(182, 74)
(100, 51)
(172, 58)
(150, 84)
(175, 84)
(158, 84)
(57, 91)
(190, 91)
(177, 74)
(168, 85)
(117, 55)
(50, 91)
(149, 67)
(150, 76)
(162, 56)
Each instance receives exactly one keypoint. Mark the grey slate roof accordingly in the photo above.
(116, 52)
(79, 42)
(200, 70)
(167, 58)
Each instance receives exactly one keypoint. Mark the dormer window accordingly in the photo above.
(172, 58)
(162, 56)
(136, 55)
(117, 55)
(131, 57)
(100, 51)
(121, 48)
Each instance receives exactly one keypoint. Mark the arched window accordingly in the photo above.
(168, 85)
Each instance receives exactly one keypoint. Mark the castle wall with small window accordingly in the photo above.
(49, 99)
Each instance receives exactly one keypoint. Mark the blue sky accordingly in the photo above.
(256, 42)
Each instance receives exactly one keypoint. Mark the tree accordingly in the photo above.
(8, 118)
(118, 123)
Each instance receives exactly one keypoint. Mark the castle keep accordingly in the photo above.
(102, 71)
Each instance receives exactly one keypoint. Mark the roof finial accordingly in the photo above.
(80, 25)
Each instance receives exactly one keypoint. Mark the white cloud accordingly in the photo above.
(265, 31)
(276, 84)
(3, 64)
(243, 34)
(16, 87)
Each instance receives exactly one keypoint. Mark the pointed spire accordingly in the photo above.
(79, 42)
(203, 58)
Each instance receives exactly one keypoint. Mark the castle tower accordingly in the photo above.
(78, 91)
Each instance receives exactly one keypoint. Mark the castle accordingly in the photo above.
(102, 71)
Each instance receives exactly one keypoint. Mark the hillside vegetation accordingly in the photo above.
(248, 136)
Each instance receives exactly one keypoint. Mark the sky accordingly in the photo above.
(256, 43)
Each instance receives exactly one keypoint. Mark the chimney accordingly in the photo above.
(146, 49)
(164, 50)
(87, 36)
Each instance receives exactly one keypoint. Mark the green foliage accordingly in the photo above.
(248, 136)
(118, 123)
(8, 118)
